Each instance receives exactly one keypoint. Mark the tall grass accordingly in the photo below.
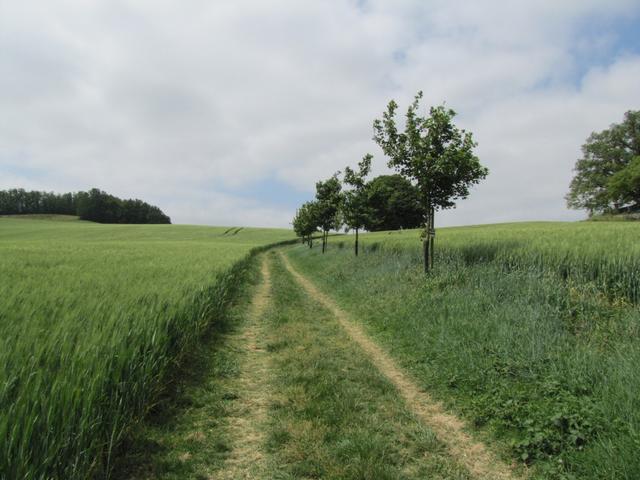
(604, 254)
(524, 329)
(92, 317)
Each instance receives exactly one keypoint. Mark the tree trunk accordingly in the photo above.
(428, 243)
(356, 242)
(425, 254)
(432, 238)
(324, 241)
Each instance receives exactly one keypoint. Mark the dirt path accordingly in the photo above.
(474, 455)
(246, 460)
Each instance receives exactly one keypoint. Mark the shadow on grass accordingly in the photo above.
(147, 450)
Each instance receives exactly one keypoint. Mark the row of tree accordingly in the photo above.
(18, 201)
(94, 205)
(436, 166)
(387, 202)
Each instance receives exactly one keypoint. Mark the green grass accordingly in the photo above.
(605, 254)
(334, 414)
(185, 435)
(515, 329)
(331, 415)
(92, 319)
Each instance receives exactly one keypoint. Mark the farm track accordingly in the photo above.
(450, 430)
(246, 459)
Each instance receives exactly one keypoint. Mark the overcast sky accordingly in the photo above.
(227, 112)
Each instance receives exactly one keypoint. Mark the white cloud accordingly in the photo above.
(172, 101)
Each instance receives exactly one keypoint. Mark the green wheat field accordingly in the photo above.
(92, 319)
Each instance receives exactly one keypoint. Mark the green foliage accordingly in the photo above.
(94, 205)
(306, 221)
(624, 185)
(328, 203)
(606, 177)
(432, 152)
(99, 206)
(18, 201)
(394, 203)
(93, 318)
(328, 206)
(355, 206)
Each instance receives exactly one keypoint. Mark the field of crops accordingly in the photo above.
(606, 254)
(92, 317)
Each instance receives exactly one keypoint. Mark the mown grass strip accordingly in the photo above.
(334, 414)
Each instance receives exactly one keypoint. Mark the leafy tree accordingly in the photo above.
(305, 223)
(624, 186)
(328, 205)
(394, 203)
(604, 176)
(433, 153)
(356, 207)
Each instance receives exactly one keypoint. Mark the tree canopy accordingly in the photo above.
(394, 203)
(356, 208)
(328, 205)
(432, 152)
(94, 205)
(306, 221)
(607, 177)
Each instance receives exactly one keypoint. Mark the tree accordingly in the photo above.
(434, 154)
(328, 204)
(603, 180)
(356, 207)
(394, 203)
(305, 223)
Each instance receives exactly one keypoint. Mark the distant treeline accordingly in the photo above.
(94, 205)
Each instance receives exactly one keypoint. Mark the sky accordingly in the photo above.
(228, 112)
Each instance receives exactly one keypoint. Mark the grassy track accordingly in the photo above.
(334, 414)
(544, 363)
(92, 318)
(330, 412)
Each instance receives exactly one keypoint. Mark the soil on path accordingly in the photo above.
(474, 455)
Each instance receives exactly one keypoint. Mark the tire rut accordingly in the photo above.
(449, 429)
(247, 459)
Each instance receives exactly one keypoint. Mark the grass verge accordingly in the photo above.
(334, 415)
(544, 366)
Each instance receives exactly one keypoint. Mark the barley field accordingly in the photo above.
(605, 254)
(92, 318)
